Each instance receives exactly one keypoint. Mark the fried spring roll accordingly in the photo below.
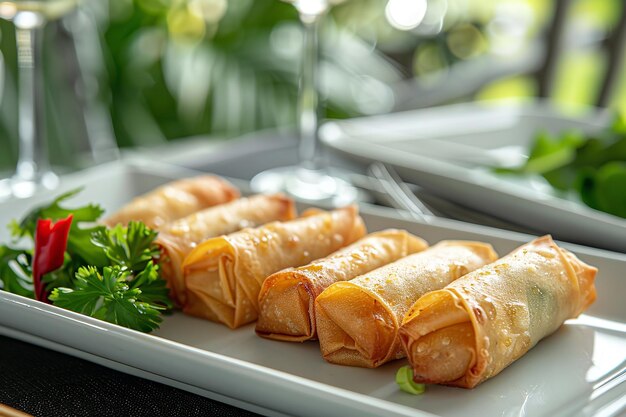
(478, 325)
(286, 300)
(358, 320)
(175, 200)
(223, 275)
(177, 239)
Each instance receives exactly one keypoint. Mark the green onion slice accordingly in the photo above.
(404, 379)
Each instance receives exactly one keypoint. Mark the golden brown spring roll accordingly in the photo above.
(175, 200)
(223, 275)
(478, 325)
(287, 298)
(177, 239)
(358, 320)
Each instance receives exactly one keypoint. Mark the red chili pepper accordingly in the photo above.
(50, 245)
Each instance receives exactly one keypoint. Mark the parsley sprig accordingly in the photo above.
(108, 273)
(109, 296)
(130, 247)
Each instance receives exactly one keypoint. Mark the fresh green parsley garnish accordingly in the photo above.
(404, 379)
(110, 297)
(128, 247)
(108, 273)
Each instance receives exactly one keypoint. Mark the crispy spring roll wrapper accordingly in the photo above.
(287, 298)
(358, 320)
(478, 325)
(177, 239)
(223, 275)
(175, 200)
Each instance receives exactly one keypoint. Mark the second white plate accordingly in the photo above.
(446, 150)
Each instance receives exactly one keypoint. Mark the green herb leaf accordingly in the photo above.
(79, 241)
(129, 247)
(153, 288)
(109, 274)
(89, 290)
(109, 297)
(54, 211)
(15, 273)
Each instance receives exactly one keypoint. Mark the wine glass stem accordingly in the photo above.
(32, 159)
(308, 99)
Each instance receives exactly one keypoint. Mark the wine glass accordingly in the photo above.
(29, 17)
(308, 180)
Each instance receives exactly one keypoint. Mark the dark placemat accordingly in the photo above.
(46, 383)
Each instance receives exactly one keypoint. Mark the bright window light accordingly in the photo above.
(405, 14)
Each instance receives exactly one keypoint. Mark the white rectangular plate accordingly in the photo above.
(580, 370)
(448, 149)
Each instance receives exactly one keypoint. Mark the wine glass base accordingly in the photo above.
(315, 186)
(24, 187)
(5, 189)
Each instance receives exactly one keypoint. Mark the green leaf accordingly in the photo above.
(108, 297)
(15, 229)
(54, 211)
(549, 153)
(126, 311)
(586, 186)
(15, 272)
(594, 152)
(608, 189)
(79, 244)
(79, 240)
(619, 124)
(85, 298)
(129, 247)
(153, 287)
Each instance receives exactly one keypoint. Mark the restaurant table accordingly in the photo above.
(43, 382)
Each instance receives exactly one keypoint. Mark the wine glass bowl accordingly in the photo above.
(44, 10)
(321, 186)
(29, 17)
(308, 180)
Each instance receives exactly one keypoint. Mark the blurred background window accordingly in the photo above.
(139, 73)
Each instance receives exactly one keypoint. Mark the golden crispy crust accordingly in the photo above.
(230, 270)
(358, 320)
(178, 238)
(287, 297)
(175, 200)
(510, 304)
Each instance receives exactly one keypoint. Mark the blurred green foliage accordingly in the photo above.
(174, 73)
(582, 65)
(167, 69)
(593, 166)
